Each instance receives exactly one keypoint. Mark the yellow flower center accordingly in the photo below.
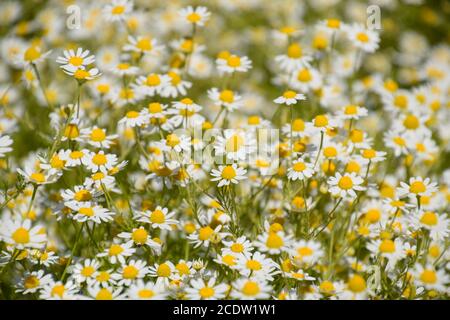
(373, 215)
(429, 218)
(428, 276)
(31, 282)
(237, 247)
(194, 17)
(289, 94)
(321, 121)
(330, 152)
(299, 166)
(172, 140)
(145, 294)
(333, 23)
(87, 271)
(399, 141)
(362, 37)
(183, 268)
(155, 107)
(58, 290)
(115, 250)
(228, 173)
(98, 135)
(253, 265)
(351, 110)
(254, 120)
(274, 241)
(175, 78)
(83, 195)
(71, 131)
(205, 233)
(144, 44)
(206, 292)
(130, 272)
(163, 270)
(139, 236)
(76, 61)
(157, 216)
(305, 251)
(31, 54)
(401, 101)
(76, 154)
(234, 61)
(304, 75)
(411, 122)
(298, 125)
(345, 183)
(326, 286)
(118, 10)
(369, 153)
(132, 114)
(99, 159)
(294, 51)
(251, 288)
(103, 276)
(227, 96)
(104, 294)
(356, 136)
(417, 187)
(37, 177)
(387, 246)
(86, 211)
(186, 101)
(357, 284)
(153, 80)
(81, 74)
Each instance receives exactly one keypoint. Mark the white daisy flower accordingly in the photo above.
(228, 174)
(345, 185)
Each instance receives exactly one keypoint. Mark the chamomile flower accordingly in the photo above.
(362, 38)
(59, 291)
(437, 224)
(417, 187)
(300, 170)
(118, 252)
(199, 289)
(140, 237)
(134, 118)
(141, 290)
(228, 174)
(105, 293)
(21, 234)
(294, 58)
(158, 218)
(131, 271)
(226, 98)
(72, 60)
(197, 16)
(290, 97)
(143, 45)
(100, 161)
(98, 138)
(430, 278)
(250, 289)
(88, 211)
(230, 63)
(345, 185)
(85, 270)
(33, 282)
(118, 10)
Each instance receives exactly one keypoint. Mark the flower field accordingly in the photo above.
(224, 149)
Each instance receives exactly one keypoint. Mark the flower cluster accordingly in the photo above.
(104, 194)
